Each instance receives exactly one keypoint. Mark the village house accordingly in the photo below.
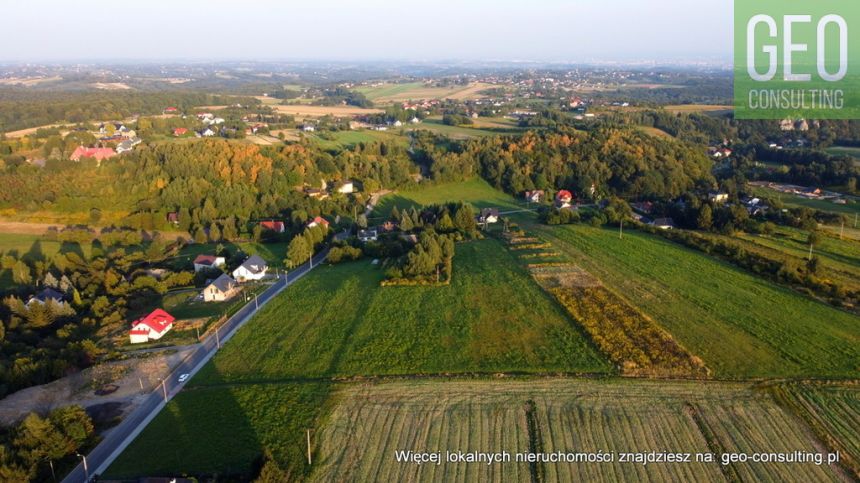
(275, 226)
(309, 128)
(180, 131)
(663, 223)
(151, 327)
(170, 110)
(318, 221)
(387, 227)
(208, 262)
(205, 133)
(535, 196)
(368, 235)
(98, 153)
(316, 193)
(47, 295)
(221, 289)
(254, 268)
(173, 218)
(563, 199)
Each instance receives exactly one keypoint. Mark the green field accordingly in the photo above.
(852, 151)
(347, 139)
(740, 324)
(224, 430)
(475, 191)
(793, 201)
(459, 132)
(340, 322)
(388, 90)
(37, 245)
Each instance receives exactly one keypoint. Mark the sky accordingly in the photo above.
(366, 30)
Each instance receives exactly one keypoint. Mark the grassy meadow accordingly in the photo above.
(739, 324)
(339, 322)
(475, 191)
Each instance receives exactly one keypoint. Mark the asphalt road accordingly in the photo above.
(118, 438)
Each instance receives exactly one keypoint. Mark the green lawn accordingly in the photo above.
(340, 322)
(793, 201)
(223, 430)
(347, 139)
(457, 132)
(37, 245)
(475, 191)
(852, 151)
(388, 90)
(741, 325)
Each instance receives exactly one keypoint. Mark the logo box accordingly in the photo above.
(797, 59)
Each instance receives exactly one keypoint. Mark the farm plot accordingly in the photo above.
(370, 422)
(739, 324)
(475, 191)
(832, 410)
(631, 339)
(338, 322)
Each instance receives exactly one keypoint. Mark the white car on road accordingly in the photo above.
(184, 377)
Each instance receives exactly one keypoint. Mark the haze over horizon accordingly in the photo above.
(579, 31)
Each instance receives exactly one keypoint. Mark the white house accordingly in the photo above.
(151, 327)
(345, 187)
(221, 289)
(664, 223)
(254, 268)
(489, 215)
(208, 262)
(367, 235)
(309, 128)
(718, 196)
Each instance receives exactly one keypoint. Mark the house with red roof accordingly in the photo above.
(276, 226)
(180, 131)
(208, 262)
(150, 327)
(563, 198)
(98, 153)
(318, 221)
(170, 110)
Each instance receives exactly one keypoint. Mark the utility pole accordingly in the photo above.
(256, 304)
(164, 387)
(51, 464)
(621, 229)
(810, 251)
(86, 470)
(198, 333)
(217, 338)
(855, 220)
(309, 446)
(140, 381)
(311, 261)
(842, 229)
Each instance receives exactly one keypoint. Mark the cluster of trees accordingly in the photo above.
(21, 108)
(304, 245)
(456, 120)
(40, 342)
(429, 261)
(39, 448)
(342, 95)
(617, 161)
(810, 168)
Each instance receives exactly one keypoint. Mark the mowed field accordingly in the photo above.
(698, 108)
(739, 324)
(475, 191)
(390, 93)
(308, 111)
(370, 422)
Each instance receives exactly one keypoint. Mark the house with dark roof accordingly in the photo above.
(254, 268)
(221, 289)
(150, 327)
(47, 295)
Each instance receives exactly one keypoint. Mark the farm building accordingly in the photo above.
(208, 262)
(180, 131)
(254, 268)
(221, 289)
(151, 327)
